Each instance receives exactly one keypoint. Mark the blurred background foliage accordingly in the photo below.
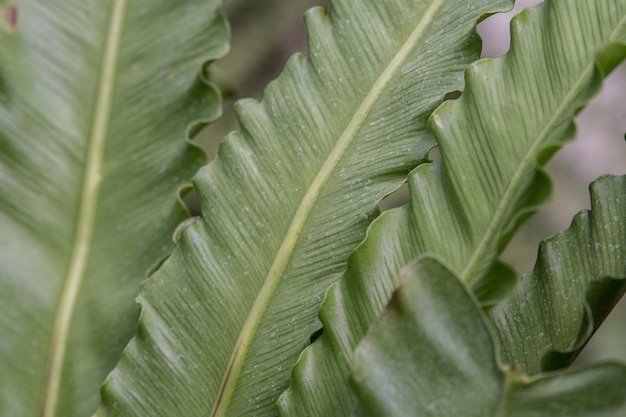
(266, 32)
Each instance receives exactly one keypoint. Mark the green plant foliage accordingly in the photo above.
(285, 202)
(263, 34)
(431, 354)
(548, 312)
(95, 97)
(515, 112)
(97, 103)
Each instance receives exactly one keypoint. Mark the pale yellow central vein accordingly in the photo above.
(86, 214)
(472, 271)
(293, 233)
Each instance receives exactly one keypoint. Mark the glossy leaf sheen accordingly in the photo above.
(513, 114)
(431, 354)
(95, 97)
(285, 202)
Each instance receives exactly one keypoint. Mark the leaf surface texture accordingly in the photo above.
(285, 202)
(514, 113)
(95, 98)
(578, 278)
(431, 354)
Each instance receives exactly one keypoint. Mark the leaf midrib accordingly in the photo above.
(86, 212)
(293, 233)
(494, 228)
(530, 159)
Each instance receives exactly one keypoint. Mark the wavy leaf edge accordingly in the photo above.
(315, 18)
(430, 271)
(603, 63)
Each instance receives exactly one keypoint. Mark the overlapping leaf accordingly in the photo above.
(95, 98)
(514, 113)
(578, 278)
(286, 201)
(431, 354)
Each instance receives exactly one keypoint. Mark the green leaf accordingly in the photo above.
(511, 117)
(284, 204)
(264, 34)
(95, 98)
(431, 354)
(556, 308)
